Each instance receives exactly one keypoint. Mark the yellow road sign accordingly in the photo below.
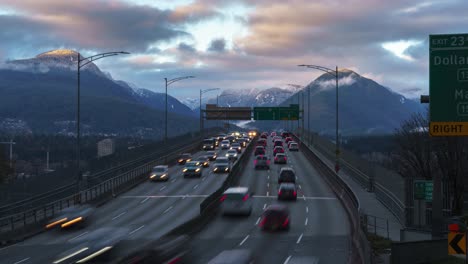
(448, 129)
(456, 243)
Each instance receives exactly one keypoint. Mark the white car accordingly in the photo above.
(236, 200)
(225, 144)
(293, 147)
(159, 173)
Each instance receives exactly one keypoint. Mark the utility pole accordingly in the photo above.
(11, 143)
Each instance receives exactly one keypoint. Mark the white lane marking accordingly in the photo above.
(7, 247)
(167, 210)
(243, 241)
(115, 217)
(268, 194)
(268, 176)
(168, 196)
(203, 179)
(299, 239)
(300, 187)
(307, 220)
(258, 221)
(264, 206)
(287, 260)
(137, 229)
(164, 187)
(196, 186)
(144, 200)
(303, 196)
(78, 236)
(268, 185)
(21, 261)
(307, 209)
(173, 180)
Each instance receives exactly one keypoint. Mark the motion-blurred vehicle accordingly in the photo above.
(209, 144)
(236, 200)
(236, 146)
(287, 191)
(280, 158)
(233, 256)
(293, 147)
(262, 161)
(221, 165)
(259, 150)
(225, 144)
(275, 217)
(211, 155)
(278, 150)
(184, 158)
(71, 217)
(278, 143)
(193, 169)
(232, 154)
(287, 174)
(98, 246)
(159, 173)
(204, 161)
(166, 250)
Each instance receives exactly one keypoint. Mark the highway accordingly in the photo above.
(319, 225)
(144, 213)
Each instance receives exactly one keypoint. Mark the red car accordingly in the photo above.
(275, 217)
(278, 150)
(278, 143)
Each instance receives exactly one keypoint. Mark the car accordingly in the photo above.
(242, 142)
(71, 217)
(278, 143)
(289, 143)
(233, 256)
(184, 158)
(285, 134)
(273, 134)
(262, 161)
(193, 169)
(262, 142)
(275, 138)
(159, 173)
(221, 165)
(236, 200)
(288, 139)
(280, 158)
(165, 250)
(293, 147)
(247, 139)
(275, 217)
(237, 147)
(252, 134)
(287, 174)
(232, 154)
(287, 191)
(204, 161)
(220, 137)
(211, 155)
(225, 144)
(231, 139)
(259, 150)
(209, 144)
(278, 150)
(264, 136)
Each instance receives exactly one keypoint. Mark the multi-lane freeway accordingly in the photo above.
(319, 230)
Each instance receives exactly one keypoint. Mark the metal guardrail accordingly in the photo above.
(14, 225)
(95, 179)
(361, 252)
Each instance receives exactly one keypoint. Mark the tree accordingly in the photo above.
(5, 169)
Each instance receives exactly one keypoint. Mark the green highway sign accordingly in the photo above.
(276, 113)
(422, 190)
(448, 84)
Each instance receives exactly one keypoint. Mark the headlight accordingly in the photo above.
(152, 176)
(181, 160)
(215, 169)
(197, 170)
(235, 155)
(184, 170)
(206, 163)
(226, 169)
(214, 157)
(164, 176)
(227, 155)
(189, 160)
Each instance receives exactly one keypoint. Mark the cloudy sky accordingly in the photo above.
(237, 44)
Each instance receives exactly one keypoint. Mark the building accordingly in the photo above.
(105, 147)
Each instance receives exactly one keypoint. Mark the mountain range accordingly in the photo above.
(40, 93)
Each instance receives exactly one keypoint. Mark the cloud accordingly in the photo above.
(185, 47)
(331, 83)
(217, 45)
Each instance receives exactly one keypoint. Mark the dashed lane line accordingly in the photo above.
(167, 210)
(287, 260)
(258, 221)
(144, 200)
(78, 236)
(162, 188)
(21, 261)
(243, 241)
(137, 229)
(306, 221)
(117, 216)
(299, 239)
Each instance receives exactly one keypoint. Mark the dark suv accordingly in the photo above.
(259, 150)
(262, 161)
(287, 174)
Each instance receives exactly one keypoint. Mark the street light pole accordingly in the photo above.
(201, 112)
(169, 82)
(81, 62)
(335, 74)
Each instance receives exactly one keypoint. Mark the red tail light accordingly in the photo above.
(285, 223)
(262, 223)
(245, 197)
(276, 158)
(175, 260)
(268, 162)
(255, 162)
(295, 193)
(223, 198)
(279, 192)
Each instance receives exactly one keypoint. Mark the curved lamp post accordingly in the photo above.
(201, 113)
(169, 82)
(81, 63)
(335, 74)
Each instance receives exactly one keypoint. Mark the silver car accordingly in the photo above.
(225, 144)
(160, 173)
(236, 200)
(232, 154)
